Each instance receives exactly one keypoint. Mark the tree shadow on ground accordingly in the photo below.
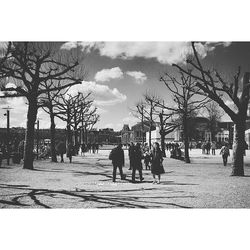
(105, 198)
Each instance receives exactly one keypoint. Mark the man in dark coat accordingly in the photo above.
(136, 158)
(130, 153)
(70, 151)
(117, 157)
(61, 149)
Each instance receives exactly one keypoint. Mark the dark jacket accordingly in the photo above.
(157, 158)
(70, 150)
(117, 156)
(136, 157)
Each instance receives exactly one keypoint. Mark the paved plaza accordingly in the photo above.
(87, 183)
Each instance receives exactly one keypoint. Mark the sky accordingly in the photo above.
(119, 73)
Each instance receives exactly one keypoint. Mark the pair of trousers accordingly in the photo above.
(133, 174)
(224, 157)
(62, 157)
(114, 171)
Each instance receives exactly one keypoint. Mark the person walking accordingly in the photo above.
(136, 158)
(203, 146)
(225, 152)
(93, 148)
(213, 147)
(70, 151)
(208, 147)
(97, 147)
(117, 157)
(61, 149)
(147, 158)
(130, 153)
(83, 148)
(157, 159)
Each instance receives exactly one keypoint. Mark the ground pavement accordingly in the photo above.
(87, 183)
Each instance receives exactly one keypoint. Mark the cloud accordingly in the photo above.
(108, 74)
(102, 94)
(163, 52)
(101, 111)
(138, 75)
(116, 127)
(86, 46)
(130, 120)
(18, 111)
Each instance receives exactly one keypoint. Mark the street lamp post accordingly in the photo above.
(8, 133)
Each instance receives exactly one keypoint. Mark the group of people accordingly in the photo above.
(172, 146)
(207, 146)
(152, 159)
(90, 147)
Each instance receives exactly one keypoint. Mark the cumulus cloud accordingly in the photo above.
(102, 94)
(139, 76)
(108, 74)
(163, 52)
(101, 111)
(86, 46)
(130, 120)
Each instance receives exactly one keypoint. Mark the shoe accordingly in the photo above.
(154, 182)
(141, 179)
(158, 182)
(123, 177)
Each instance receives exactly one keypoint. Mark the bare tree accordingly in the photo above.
(150, 111)
(214, 114)
(165, 128)
(77, 111)
(213, 85)
(183, 91)
(29, 66)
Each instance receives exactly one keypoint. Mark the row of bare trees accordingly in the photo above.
(43, 73)
(194, 88)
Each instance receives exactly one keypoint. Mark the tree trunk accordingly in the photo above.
(162, 133)
(186, 146)
(69, 138)
(76, 140)
(53, 137)
(150, 128)
(238, 149)
(29, 135)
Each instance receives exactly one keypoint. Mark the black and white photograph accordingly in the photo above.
(124, 124)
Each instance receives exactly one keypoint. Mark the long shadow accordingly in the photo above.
(13, 203)
(177, 183)
(108, 198)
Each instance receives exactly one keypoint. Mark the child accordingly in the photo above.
(147, 158)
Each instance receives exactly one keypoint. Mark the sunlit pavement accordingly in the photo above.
(87, 183)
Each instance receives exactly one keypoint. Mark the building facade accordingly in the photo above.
(137, 133)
